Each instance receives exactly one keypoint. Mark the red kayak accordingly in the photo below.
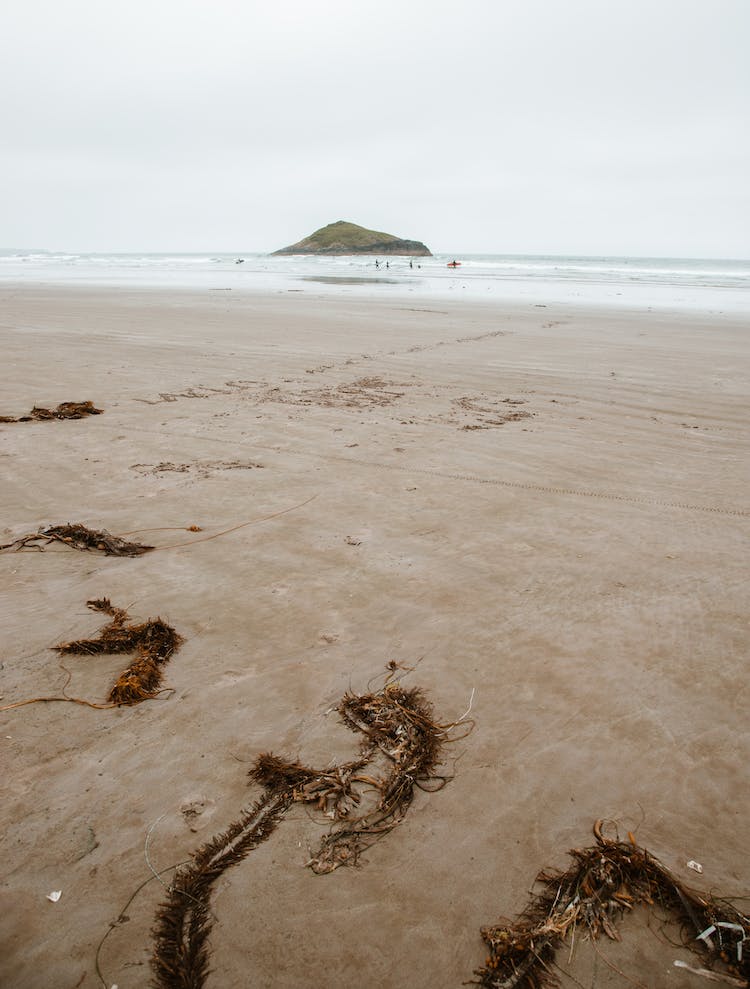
(454, 264)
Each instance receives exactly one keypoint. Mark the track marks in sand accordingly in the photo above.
(549, 489)
(413, 402)
(235, 386)
(488, 413)
(620, 496)
(204, 468)
(530, 486)
(194, 391)
(232, 387)
(362, 393)
(367, 392)
(419, 348)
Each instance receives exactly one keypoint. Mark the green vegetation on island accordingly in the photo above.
(349, 238)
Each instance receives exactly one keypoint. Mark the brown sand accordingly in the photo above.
(581, 569)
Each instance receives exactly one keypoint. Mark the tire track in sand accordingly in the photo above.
(474, 478)
(544, 488)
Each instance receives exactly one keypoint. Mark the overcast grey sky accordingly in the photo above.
(508, 126)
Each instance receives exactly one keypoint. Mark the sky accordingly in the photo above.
(498, 126)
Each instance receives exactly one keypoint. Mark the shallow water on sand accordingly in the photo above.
(713, 285)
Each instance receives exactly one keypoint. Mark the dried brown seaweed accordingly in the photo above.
(398, 725)
(181, 949)
(65, 410)
(80, 537)
(602, 883)
(153, 641)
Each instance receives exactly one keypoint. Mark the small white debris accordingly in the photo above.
(54, 896)
(695, 866)
(708, 974)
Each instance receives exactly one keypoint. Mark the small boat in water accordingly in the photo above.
(454, 264)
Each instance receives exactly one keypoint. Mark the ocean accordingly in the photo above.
(712, 285)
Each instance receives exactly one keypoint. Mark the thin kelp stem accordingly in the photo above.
(49, 700)
(602, 883)
(122, 918)
(78, 536)
(164, 528)
(234, 528)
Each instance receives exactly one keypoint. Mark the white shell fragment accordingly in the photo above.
(55, 895)
(695, 866)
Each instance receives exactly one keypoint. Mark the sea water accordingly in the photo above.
(712, 285)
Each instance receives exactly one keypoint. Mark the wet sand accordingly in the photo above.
(545, 506)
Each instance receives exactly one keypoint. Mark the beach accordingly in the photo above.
(539, 507)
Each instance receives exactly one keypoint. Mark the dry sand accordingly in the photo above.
(582, 570)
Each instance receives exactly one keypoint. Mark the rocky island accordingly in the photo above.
(342, 237)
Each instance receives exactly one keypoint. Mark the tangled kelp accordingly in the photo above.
(80, 537)
(603, 882)
(154, 641)
(395, 722)
(65, 410)
(398, 725)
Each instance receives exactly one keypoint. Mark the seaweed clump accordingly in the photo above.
(65, 410)
(153, 641)
(79, 537)
(397, 724)
(602, 883)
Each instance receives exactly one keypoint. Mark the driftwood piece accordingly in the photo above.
(603, 882)
(80, 537)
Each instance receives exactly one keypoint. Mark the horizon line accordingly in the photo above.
(453, 252)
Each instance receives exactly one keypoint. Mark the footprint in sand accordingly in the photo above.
(197, 811)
